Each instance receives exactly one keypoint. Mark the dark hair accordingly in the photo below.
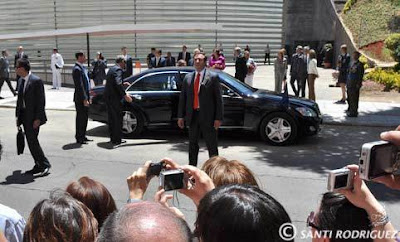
(119, 59)
(123, 225)
(159, 51)
(78, 54)
(152, 48)
(123, 47)
(200, 53)
(239, 213)
(95, 196)
(224, 172)
(24, 63)
(357, 53)
(60, 218)
(337, 213)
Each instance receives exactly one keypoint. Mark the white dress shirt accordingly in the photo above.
(56, 59)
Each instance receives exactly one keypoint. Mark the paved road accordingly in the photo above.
(294, 175)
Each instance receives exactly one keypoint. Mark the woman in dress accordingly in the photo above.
(217, 61)
(251, 67)
(280, 68)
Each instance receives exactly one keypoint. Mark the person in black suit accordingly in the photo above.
(150, 55)
(158, 60)
(5, 72)
(184, 55)
(201, 106)
(81, 97)
(20, 54)
(30, 113)
(129, 63)
(170, 60)
(113, 94)
(240, 65)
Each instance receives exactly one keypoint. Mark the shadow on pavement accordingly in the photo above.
(72, 146)
(18, 178)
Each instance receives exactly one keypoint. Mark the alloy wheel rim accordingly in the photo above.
(129, 122)
(278, 130)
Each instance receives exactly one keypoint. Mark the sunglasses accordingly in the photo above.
(311, 221)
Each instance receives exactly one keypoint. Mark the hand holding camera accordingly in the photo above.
(138, 182)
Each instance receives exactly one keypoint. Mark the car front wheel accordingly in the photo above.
(278, 129)
(132, 123)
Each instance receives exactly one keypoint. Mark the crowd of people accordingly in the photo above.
(231, 206)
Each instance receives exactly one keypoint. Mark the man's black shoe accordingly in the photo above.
(82, 142)
(44, 172)
(35, 170)
(352, 115)
(118, 144)
(1, 97)
(88, 140)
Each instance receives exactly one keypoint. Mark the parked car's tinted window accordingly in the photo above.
(157, 82)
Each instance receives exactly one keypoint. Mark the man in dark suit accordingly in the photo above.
(184, 55)
(170, 60)
(129, 63)
(20, 54)
(30, 113)
(5, 72)
(150, 55)
(113, 94)
(81, 97)
(240, 65)
(158, 60)
(201, 106)
(295, 70)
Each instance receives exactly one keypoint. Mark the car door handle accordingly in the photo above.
(136, 96)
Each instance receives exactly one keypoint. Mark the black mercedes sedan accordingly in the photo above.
(155, 94)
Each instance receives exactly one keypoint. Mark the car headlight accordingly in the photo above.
(306, 112)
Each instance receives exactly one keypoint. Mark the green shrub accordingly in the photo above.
(389, 78)
(364, 60)
(393, 43)
(348, 5)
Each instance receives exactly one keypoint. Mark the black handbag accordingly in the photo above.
(20, 141)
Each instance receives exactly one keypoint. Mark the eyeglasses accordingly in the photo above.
(311, 221)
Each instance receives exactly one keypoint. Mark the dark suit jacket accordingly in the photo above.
(129, 67)
(210, 99)
(81, 84)
(170, 62)
(240, 68)
(114, 90)
(161, 63)
(4, 66)
(186, 58)
(35, 101)
(16, 57)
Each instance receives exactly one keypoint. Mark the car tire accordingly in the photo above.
(132, 123)
(278, 129)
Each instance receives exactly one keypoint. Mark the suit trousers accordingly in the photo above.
(303, 83)
(353, 96)
(81, 121)
(56, 78)
(293, 79)
(33, 143)
(209, 134)
(2, 80)
(114, 111)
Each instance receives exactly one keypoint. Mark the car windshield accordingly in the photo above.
(235, 83)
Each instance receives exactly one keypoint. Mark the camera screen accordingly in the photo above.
(341, 181)
(173, 181)
(384, 160)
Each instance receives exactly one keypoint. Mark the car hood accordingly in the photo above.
(292, 99)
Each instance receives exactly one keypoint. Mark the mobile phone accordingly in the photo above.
(378, 158)
(155, 168)
(172, 179)
(340, 179)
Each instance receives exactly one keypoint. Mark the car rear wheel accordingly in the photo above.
(278, 129)
(132, 123)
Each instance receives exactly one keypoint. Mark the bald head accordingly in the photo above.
(144, 221)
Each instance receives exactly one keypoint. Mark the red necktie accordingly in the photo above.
(196, 92)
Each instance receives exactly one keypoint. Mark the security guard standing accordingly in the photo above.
(113, 94)
(354, 83)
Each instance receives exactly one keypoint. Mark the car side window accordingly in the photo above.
(157, 82)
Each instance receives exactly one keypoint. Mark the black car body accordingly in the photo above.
(156, 92)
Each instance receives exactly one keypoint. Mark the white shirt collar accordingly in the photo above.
(201, 72)
(80, 64)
